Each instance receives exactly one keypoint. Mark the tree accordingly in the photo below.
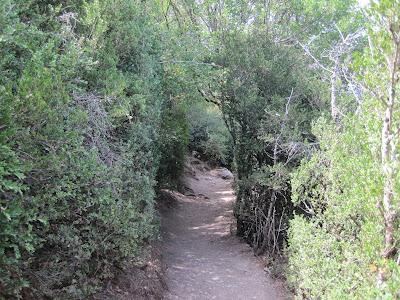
(348, 191)
(385, 58)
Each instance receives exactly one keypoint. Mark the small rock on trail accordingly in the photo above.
(204, 259)
(226, 174)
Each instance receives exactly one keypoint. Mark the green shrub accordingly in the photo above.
(173, 145)
(16, 223)
(270, 129)
(335, 251)
(80, 103)
(209, 135)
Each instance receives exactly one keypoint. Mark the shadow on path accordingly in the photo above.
(203, 259)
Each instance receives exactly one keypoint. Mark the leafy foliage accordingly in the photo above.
(100, 101)
(268, 108)
(173, 146)
(209, 136)
(81, 103)
(341, 188)
(332, 191)
(342, 222)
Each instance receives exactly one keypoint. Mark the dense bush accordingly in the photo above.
(268, 107)
(345, 243)
(332, 192)
(208, 134)
(173, 145)
(81, 105)
(340, 234)
(99, 101)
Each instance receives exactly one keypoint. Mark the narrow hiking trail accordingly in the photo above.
(204, 259)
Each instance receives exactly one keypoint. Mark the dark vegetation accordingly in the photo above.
(84, 111)
(101, 100)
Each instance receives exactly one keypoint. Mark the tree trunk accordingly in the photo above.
(334, 108)
(388, 211)
(389, 141)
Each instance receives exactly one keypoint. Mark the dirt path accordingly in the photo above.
(204, 260)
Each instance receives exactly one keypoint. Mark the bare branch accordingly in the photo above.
(208, 99)
(308, 52)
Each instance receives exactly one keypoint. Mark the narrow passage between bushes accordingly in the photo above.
(204, 259)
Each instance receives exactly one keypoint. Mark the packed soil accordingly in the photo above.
(203, 257)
